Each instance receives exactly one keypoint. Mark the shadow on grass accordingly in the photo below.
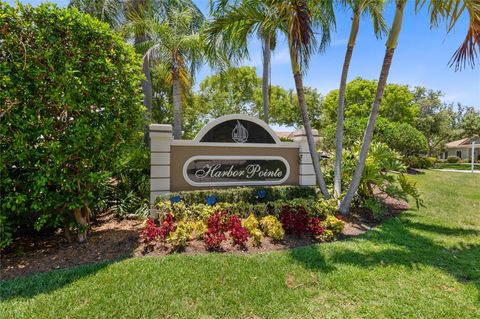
(462, 261)
(28, 287)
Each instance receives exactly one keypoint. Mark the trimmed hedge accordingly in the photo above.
(250, 195)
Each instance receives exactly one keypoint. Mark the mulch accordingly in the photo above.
(110, 238)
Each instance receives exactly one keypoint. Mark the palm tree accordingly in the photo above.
(232, 26)
(297, 20)
(358, 7)
(438, 9)
(132, 17)
(175, 42)
(230, 30)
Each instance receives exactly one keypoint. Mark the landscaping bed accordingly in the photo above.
(111, 238)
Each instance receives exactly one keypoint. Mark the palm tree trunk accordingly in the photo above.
(341, 103)
(308, 132)
(266, 76)
(147, 96)
(382, 82)
(177, 105)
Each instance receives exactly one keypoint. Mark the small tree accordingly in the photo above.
(71, 100)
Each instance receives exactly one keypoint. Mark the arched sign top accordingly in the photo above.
(237, 128)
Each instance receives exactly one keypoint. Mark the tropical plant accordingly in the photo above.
(448, 9)
(175, 42)
(358, 7)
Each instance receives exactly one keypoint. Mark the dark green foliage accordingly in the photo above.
(71, 106)
(453, 159)
(419, 161)
(401, 137)
(243, 194)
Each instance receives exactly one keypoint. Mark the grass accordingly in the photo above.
(424, 264)
(459, 166)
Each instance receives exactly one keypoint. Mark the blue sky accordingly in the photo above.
(421, 57)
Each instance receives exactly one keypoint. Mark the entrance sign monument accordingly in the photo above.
(233, 150)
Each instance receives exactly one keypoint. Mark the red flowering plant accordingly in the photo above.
(238, 233)
(216, 228)
(168, 225)
(314, 226)
(151, 231)
(294, 221)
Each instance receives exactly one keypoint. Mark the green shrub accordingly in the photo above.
(423, 162)
(243, 194)
(383, 173)
(256, 235)
(333, 224)
(181, 235)
(71, 103)
(376, 208)
(272, 227)
(250, 223)
(453, 159)
(326, 236)
(401, 137)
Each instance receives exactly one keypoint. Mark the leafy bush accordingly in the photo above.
(71, 104)
(256, 235)
(326, 236)
(251, 224)
(151, 231)
(217, 226)
(314, 226)
(199, 228)
(167, 226)
(250, 195)
(377, 209)
(419, 161)
(383, 174)
(334, 224)
(181, 235)
(453, 159)
(272, 227)
(314, 207)
(401, 137)
(238, 233)
(294, 221)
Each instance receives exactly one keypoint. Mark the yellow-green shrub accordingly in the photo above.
(334, 224)
(272, 227)
(256, 236)
(181, 235)
(199, 228)
(250, 223)
(326, 235)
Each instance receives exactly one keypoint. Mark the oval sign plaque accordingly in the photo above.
(235, 170)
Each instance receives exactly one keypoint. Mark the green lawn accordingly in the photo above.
(425, 264)
(459, 166)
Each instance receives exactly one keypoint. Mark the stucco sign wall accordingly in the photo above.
(234, 150)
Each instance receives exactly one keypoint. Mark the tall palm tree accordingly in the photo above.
(297, 20)
(467, 53)
(233, 23)
(358, 7)
(132, 17)
(175, 42)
